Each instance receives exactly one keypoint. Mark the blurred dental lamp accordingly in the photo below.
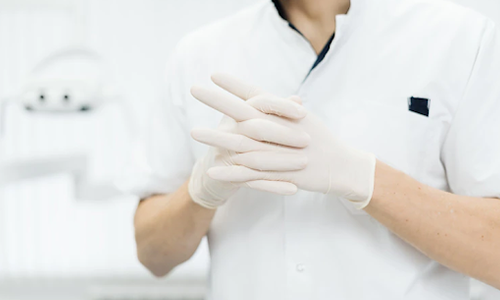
(72, 80)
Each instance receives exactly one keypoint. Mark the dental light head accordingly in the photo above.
(73, 80)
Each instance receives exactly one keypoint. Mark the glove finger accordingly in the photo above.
(236, 86)
(269, 131)
(230, 141)
(271, 161)
(271, 104)
(225, 103)
(244, 174)
(275, 187)
(295, 99)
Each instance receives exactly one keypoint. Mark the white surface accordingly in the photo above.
(44, 231)
(73, 165)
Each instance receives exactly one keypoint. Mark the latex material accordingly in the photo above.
(333, 167)
(253, 150)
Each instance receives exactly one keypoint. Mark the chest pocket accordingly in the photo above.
(403, 139)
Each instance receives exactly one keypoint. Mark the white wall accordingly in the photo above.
(44, 231)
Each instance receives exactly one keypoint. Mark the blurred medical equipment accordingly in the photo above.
(53, 246)
(70, 81)
(67, 81)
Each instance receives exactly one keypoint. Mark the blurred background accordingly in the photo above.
(65, 233)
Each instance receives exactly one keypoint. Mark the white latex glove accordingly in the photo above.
(333, 167)
(211, 193)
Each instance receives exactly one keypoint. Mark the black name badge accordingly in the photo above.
(419, 105)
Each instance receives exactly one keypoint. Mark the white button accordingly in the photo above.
(300, 267)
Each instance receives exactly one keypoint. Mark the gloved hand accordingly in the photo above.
(333, 167)
(211, 193)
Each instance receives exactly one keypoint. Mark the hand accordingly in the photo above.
(332, 166)
(241, 150)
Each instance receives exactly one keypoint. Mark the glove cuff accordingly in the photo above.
(199, 189)
(194, 194)
(366, 182)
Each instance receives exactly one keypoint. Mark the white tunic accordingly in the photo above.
(312, 246)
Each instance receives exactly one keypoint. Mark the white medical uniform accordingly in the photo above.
(312, 246)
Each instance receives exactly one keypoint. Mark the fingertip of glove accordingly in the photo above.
(218, 77)
(197, 133)
(296, 99)
(301, 112)
(290, 190)
(196, 91)
(213, 173)
(303, 140)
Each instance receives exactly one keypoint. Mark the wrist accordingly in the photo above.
(198, 190)
(205, 191)
(385, 180)
(197, 196)
(363, 173)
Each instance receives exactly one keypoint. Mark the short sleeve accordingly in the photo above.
(471, 151)
(161, 161)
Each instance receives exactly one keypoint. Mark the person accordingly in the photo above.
(355, 154)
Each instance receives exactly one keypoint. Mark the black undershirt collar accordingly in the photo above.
(325, 49)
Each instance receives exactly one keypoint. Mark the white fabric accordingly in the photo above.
(302, 151)
(310, 245)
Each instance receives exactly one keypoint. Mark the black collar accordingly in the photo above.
(323, 52)
(280, 9)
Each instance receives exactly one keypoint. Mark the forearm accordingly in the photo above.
(168, 230)
(462, 233)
